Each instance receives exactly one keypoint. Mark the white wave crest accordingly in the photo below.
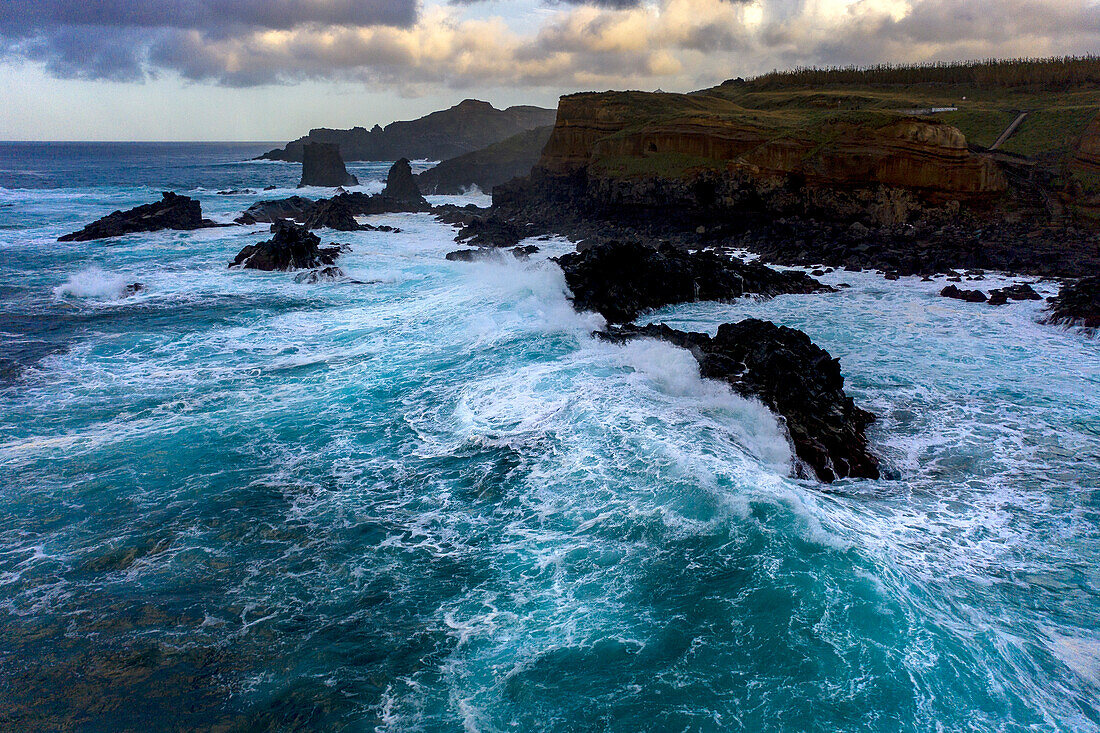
(95, 284)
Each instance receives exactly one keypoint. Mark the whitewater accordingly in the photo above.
(430, 500)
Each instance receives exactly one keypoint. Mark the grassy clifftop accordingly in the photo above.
(819, 106)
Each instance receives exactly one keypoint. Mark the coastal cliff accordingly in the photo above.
(463, 128)
(891, 176)
(599, 137)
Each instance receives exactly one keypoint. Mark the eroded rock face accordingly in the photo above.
(595, 129)
(792, 376)
(1077, 304)
(621, 280)
(171, 212)
(292, 248)
(323, 166)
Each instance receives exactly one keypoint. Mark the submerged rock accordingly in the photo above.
(1077, 304)
(171, 212)
(620, 280)
(324, 274)
(970, 296)
(796, 379)
(323, 166)
(292, 248)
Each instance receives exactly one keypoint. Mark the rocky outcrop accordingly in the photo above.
(1077, 304)
(400, 195)
(970, 296)
(792, 376)
(171, 212)
(468, 126)
(292, 248)
(488, 167)
(335, 213)
(401, 192)
(478, 254)
(323, 166)
(269, 212)
(621, 280)
(1019, 291)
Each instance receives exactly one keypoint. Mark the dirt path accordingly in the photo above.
(1009, 131)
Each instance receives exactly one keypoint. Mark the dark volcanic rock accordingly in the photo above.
(401, 192)
(1019, 291)
(970, 296)
(269, 212)
(490, 231)
(786, 371)
(1077, 304)
(335, 213)
(292, 248)
(481, 227)
(171, 212)
(472, 255)
(323, 166)
(621, 279)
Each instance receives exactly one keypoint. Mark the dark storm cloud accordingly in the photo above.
(115, 39)
(615, 4)
(22, 16)
(580, 44)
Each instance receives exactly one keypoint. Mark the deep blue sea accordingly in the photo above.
(430, 501)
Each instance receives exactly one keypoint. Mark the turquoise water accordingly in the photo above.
(432, 502)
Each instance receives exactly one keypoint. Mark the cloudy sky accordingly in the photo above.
(270, 69)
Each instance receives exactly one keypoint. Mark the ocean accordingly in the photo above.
(431, 501)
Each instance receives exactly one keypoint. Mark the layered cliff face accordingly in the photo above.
(618, 136)
(468, 126)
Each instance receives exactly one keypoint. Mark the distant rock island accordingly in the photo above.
(466, 127)
(491, 166)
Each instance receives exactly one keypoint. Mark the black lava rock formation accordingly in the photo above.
(171, 212)
(1019, 291)
(970, 296)
(292, 248)
(621, 280)
(269, 212)
(793, 377)
(1077, 304)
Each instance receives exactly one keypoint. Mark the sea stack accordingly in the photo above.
(323, 166)
(401, 192)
